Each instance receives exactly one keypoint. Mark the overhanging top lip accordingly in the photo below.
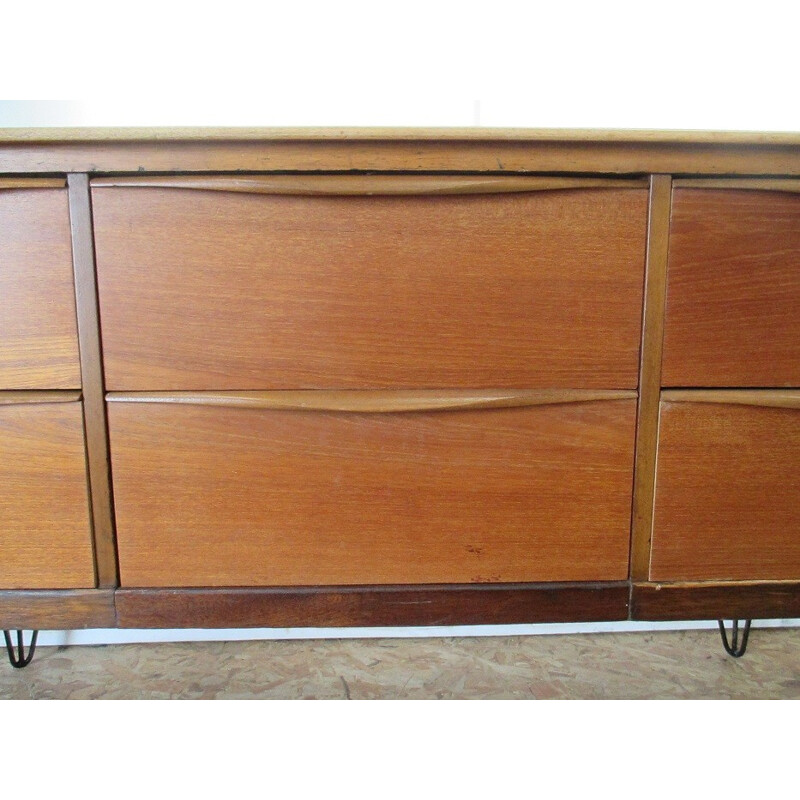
(606, 136)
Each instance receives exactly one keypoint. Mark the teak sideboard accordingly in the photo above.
(397, 377)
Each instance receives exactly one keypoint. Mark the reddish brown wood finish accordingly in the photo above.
(211, 290)
(38, 333)
(371, 606)
(733, 291)
(727, 490)
(241, 497)
(45, 533)
(650, 601)
(57, 610)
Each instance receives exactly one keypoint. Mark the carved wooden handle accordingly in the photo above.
(791, 185)
(376, 401)
(766, 398)
(32, 183)
(20, 398)
(368, 184)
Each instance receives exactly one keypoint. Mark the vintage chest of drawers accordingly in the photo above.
(364, 377)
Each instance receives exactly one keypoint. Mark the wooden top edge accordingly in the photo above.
(355, 134)
(32, 183)
(375, 401)
(13, 398)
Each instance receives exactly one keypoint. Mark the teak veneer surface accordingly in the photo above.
(45, 532)
(727, 491)
(213, 291)
(733, 291)
(211, 496)
(38, 331)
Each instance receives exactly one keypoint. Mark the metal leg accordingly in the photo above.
(735, 649)
(18, 658)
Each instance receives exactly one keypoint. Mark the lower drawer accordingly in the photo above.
(727, 504)
(221, 496)
(45, 533)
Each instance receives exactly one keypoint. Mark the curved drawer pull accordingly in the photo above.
(388, 401)
(15, 398)
(369, 184)
(32, 183)
(766, 398)
(790, 185)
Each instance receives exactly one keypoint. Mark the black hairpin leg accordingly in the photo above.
(734, 648)
(18, 658)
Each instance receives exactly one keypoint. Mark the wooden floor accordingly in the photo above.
(682, 664)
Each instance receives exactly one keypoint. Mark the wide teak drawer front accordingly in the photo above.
(38, 328)
(45, 534)
(233, 290)
(733, 296)
(727, 501)
(217, 496)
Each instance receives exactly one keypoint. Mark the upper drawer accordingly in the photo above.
(733, 292)
(369, 282)
(38, 328)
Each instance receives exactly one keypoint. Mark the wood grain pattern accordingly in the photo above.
(38, 336)
(23, 397)
(733, 292)
(423, 152)
(766, 398)
(344, 185)
(652, 601)
(381, 402)
(371, 606)
(202, 291)
(241, 497)
(727, 493)
(94, 407)
(650, 374)
(57, 610)
(45, 535)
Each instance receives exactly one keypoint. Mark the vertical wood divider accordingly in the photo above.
(94, 407)
(650, 374)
